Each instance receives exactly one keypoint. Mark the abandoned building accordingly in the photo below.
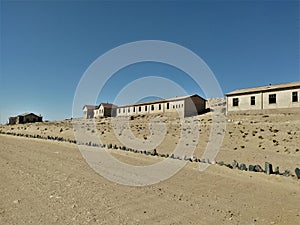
(25, 118)
(190, 105)
(88, 111)
(105, 110)
(265, 99)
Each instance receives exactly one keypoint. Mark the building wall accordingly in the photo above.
(12, 120)
(31, 119)
(88, 113)
(154, 108)
(25, 119)
(186, 107)
(99, 112)
(244, 102)
(194, 106)
(283, 101)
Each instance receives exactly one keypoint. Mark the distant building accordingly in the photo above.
(25, 118)
(88, 111)
(190, 105)
(265, 99)
(105, 110)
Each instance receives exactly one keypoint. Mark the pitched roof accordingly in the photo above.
(90, 106)
(265, 88)
(162, 100)
(26, 114)
(108, 105)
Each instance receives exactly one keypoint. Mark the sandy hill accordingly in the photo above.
(251, 139)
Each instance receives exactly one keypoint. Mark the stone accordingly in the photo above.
(17, 201)
(228, 165)
(251, 168)
(257, 168)
(154, 153)
(276, 171)
(297, 172)
(221, 163)
(286, 173)
(268, 168)
(235, 164)
(243, 167)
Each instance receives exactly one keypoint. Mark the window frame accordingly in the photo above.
(252, 100)
(235, 102)
(272, 99)
(295, 96)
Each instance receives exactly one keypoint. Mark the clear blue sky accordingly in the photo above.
(46, 46)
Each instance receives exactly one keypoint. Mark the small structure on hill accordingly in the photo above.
(25, 118)
(265, 99)
(105, 110)
(88, 111)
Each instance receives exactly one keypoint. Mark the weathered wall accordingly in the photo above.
(283, 101)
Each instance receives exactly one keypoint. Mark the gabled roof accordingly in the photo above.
(90, 106)
(162, 100)
(108, 105)
(275, 87)
(26, 114)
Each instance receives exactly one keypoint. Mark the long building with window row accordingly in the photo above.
(265, 99)
(185, 106)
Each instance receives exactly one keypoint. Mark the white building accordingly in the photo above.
(88, 111)
(265, 99)
(105, 110)
(185, 106)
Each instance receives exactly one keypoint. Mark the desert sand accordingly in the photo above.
(49, 182)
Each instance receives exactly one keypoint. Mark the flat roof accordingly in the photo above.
(265, 88)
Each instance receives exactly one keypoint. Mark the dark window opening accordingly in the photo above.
(235, 102)
(145, 108)
(252, 100)
(168, 105)
(295, 96)
(133, 109)
(159, 107)
(152, 107)
(140, 108)
(272, 99)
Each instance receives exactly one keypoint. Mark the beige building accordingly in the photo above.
(185, 106)
(105, 110)
(265, 99)
(25, 118)
(88, 111)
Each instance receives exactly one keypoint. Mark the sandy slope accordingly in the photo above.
(47, 182)
(250, 139)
